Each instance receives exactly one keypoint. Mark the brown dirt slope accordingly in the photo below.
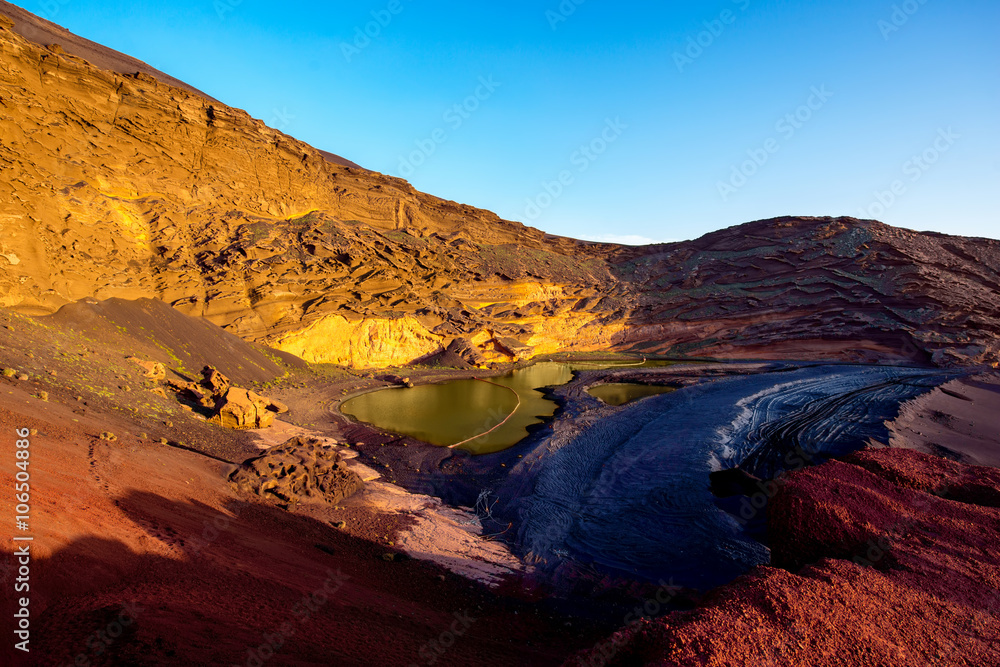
(183, 344)
(898, 567)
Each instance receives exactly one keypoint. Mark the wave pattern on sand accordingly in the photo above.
(630, 493)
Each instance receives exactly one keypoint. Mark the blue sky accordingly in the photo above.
(624, 120)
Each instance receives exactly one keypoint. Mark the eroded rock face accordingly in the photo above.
(132, 188)
(129, 187)
(300, 470)
(808, 288)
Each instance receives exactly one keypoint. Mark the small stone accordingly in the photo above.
(33, 431)
(143, 436)
(23, 377)
(153, 370)
(340, 524)
(168, 424)
(9, 372)
(110, 437)
(79, 399)
(164, 441)
(52, 373)
(43, 395)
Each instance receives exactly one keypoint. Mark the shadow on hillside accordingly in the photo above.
(257, 581)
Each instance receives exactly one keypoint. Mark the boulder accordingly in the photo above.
(241, 408)
(214, 381)
(152, 370)
(397, 380)
(300, 470)
(193, 392)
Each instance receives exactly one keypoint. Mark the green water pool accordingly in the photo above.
(459, 410)
(620, 393)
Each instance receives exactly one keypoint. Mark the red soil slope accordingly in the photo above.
(900, 565)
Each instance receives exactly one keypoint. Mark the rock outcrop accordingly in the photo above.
(229, 406)
(152, 370)
(300, 470)
(242, 408)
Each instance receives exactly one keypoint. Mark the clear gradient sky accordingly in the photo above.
(684, 105)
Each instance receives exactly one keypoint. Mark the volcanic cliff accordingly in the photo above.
(119, 181)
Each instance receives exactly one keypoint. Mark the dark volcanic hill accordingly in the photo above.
(805, 287)
(118, 181)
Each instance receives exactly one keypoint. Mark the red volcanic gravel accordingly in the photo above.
(894, 560)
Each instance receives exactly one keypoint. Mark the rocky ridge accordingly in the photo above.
(125, 185)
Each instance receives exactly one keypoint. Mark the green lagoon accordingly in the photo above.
(460, 410)
(620, 393)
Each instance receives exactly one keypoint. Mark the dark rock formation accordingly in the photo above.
(300, 470)
(733, 482)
